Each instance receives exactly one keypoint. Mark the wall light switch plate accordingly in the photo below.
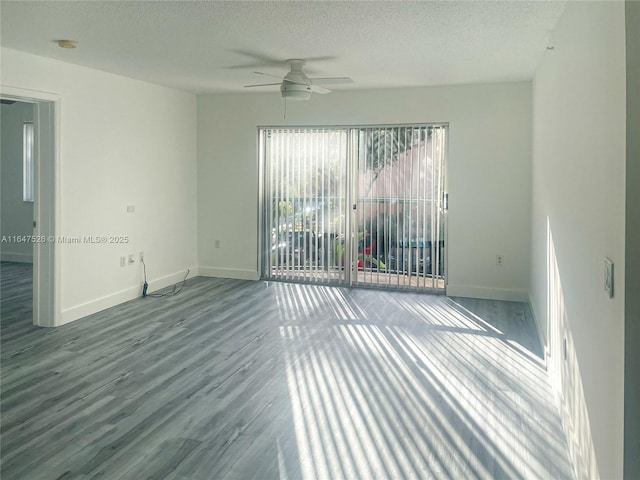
(608, 276)
(131, 208)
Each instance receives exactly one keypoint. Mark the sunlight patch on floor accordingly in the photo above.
(448, 397)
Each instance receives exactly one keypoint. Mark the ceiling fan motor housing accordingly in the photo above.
(296, 85)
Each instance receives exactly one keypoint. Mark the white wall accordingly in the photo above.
(489, 173)
(122, 141)
(632, 259)
(16, 215)
(579, 188)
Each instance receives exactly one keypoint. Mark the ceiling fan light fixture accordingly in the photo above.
(295, 91)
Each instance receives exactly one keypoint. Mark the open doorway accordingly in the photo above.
(16, 214)
(28, 207)
(355, 205)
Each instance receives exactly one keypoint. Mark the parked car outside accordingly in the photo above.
(293, 248)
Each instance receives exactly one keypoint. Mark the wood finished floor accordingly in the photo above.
(236, 380)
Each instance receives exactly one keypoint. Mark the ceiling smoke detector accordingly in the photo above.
(67, 44)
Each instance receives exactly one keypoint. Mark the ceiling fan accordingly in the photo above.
(295, 85)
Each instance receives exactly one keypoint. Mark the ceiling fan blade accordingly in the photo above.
(319, 89)
(269, 75)
(260, 60)
(262, 85)
(331, 80)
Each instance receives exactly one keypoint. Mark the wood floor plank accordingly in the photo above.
(233, 379)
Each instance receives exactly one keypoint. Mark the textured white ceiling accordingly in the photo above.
(215, 46)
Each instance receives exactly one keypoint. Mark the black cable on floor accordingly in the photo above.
(176, 290)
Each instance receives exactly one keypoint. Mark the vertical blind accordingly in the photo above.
(356, 205)
(305, 203)
(400, 221)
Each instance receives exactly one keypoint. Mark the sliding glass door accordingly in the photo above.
(305, 192)
(354, 205)
(399, 187)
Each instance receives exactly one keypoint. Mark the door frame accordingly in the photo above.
(46, 204)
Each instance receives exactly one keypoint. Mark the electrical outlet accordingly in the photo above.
(216, 243)
(123, 261)
(142, 256)
(499, 260)
(131, 259)
(608, 276)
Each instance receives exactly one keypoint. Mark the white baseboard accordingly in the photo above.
(236, 273)
(16, 257)
(471, 291)
(89, 308)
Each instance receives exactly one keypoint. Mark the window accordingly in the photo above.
(27, 161)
